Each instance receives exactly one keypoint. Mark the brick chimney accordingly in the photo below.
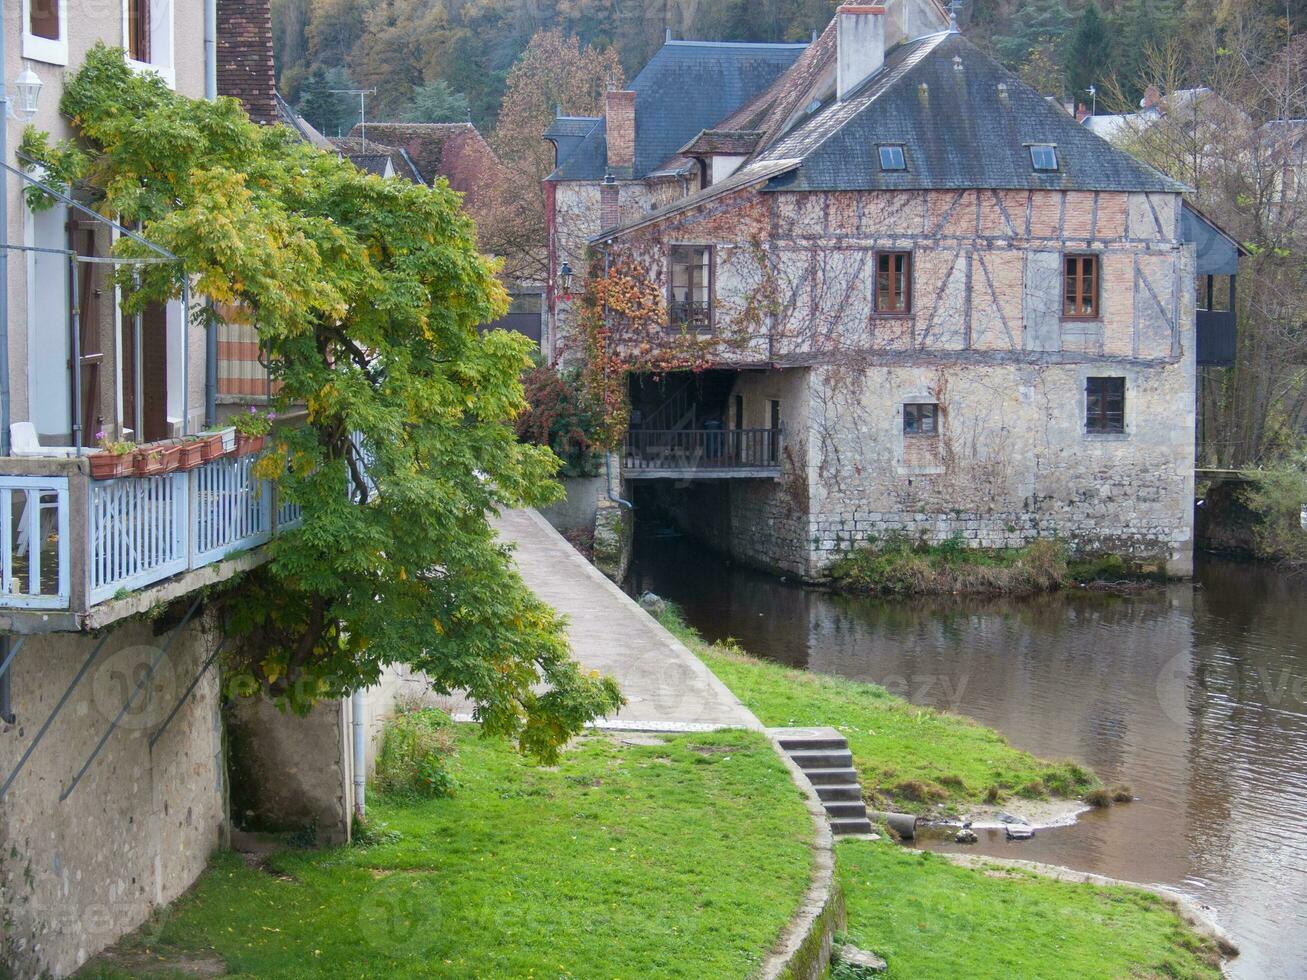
(619, 111)
(860, 34)
(245, 56)
(1152, 96)
(1081, 113)
(610, 203)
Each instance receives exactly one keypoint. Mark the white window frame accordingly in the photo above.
(162, 46)
(52, 52)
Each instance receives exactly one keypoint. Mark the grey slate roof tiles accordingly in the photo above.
(687, 86)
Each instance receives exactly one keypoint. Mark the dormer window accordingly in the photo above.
(1043, 156)
(892, 158)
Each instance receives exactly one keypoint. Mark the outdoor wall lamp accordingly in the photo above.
(565, 276)
(28, 86)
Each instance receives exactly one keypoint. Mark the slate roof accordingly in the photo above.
(959, 132)
(372, 157)
(731, 142)
(687, 86)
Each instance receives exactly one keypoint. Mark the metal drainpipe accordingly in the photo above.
(360, 754)
(6, 698)
(4, 237)
(211, 329)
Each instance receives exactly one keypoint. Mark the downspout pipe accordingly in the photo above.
(210, 326)
(357, 709)
(608, 457)
(4, 237)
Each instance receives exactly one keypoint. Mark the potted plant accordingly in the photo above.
(149, 460)
(252, 430)
(192, 453)
(113, 460)
(221, 440)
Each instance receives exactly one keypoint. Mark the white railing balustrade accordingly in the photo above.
(230, 509)
(138, 532)
(35, 572)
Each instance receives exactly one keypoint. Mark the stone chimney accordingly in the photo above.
(245, 57)
(619, 112)
(860, 29)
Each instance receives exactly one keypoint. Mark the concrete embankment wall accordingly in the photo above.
(78, 872)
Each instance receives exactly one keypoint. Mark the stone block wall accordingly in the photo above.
(78, 873)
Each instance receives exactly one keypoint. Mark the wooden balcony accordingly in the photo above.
(698, 454)
(78, 553)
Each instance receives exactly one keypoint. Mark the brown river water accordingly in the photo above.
(1193, 694)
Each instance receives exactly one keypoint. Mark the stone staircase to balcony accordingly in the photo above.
(823, 755)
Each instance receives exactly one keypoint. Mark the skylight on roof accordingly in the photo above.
(892, 158)
(1043, 156)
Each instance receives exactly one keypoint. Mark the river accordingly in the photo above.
(1194, 694)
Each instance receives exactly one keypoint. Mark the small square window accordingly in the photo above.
(1043, 156)
(1105, 405)
(892, 158)
(920, 419)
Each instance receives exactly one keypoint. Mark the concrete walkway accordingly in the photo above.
(666, 686)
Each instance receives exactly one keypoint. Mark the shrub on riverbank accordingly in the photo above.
(414, 756)
(679, 856)
(908, 757)
(903, 566)
(1277, 495)
(930, 918)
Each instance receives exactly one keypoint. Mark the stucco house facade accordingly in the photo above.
(933, 305)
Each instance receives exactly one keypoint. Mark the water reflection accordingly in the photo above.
(1194, 695)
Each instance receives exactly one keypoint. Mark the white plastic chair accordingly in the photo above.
(24, 442)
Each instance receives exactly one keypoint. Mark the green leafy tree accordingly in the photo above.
(436, 103)
(321, 103)
(366, 294)
(1089, 52)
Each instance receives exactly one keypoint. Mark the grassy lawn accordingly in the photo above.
(679, 859)
(907, 757)
(931, 919)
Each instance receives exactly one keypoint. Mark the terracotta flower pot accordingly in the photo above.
(245, 445)
(148, 462)
(192, 454)
(110, 466)
(212, 446)
(171, 456)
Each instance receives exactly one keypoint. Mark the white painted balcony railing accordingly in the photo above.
(69, 543)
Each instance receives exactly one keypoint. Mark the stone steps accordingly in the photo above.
(823, 755)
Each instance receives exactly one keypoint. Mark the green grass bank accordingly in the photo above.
(681, 858)
(903, 566)
(909, 758)
(930, 918)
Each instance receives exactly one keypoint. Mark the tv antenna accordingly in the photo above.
(363, 94)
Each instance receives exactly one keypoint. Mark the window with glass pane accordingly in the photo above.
(138, 30)
(1080, 287)
(894, 282)
(920, 419)
(691, 286)
(43, 19)
(1105, 405)
(891, 158)
(1043, 157)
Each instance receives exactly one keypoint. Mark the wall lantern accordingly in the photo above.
(565, 276)
(29, 93)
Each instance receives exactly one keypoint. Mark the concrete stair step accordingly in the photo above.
(845, 810)
(822, 759)
(832, 777)
(851, 826)
(799, 743)
(851, 791)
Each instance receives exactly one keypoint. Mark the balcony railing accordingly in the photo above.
(69, 543)
(691, 315)
(702, 452)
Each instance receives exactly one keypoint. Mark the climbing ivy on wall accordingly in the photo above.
(366, 294)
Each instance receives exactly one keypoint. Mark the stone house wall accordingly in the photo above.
(794, 278)
(137, 830)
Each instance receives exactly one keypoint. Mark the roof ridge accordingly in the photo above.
(740, 44)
